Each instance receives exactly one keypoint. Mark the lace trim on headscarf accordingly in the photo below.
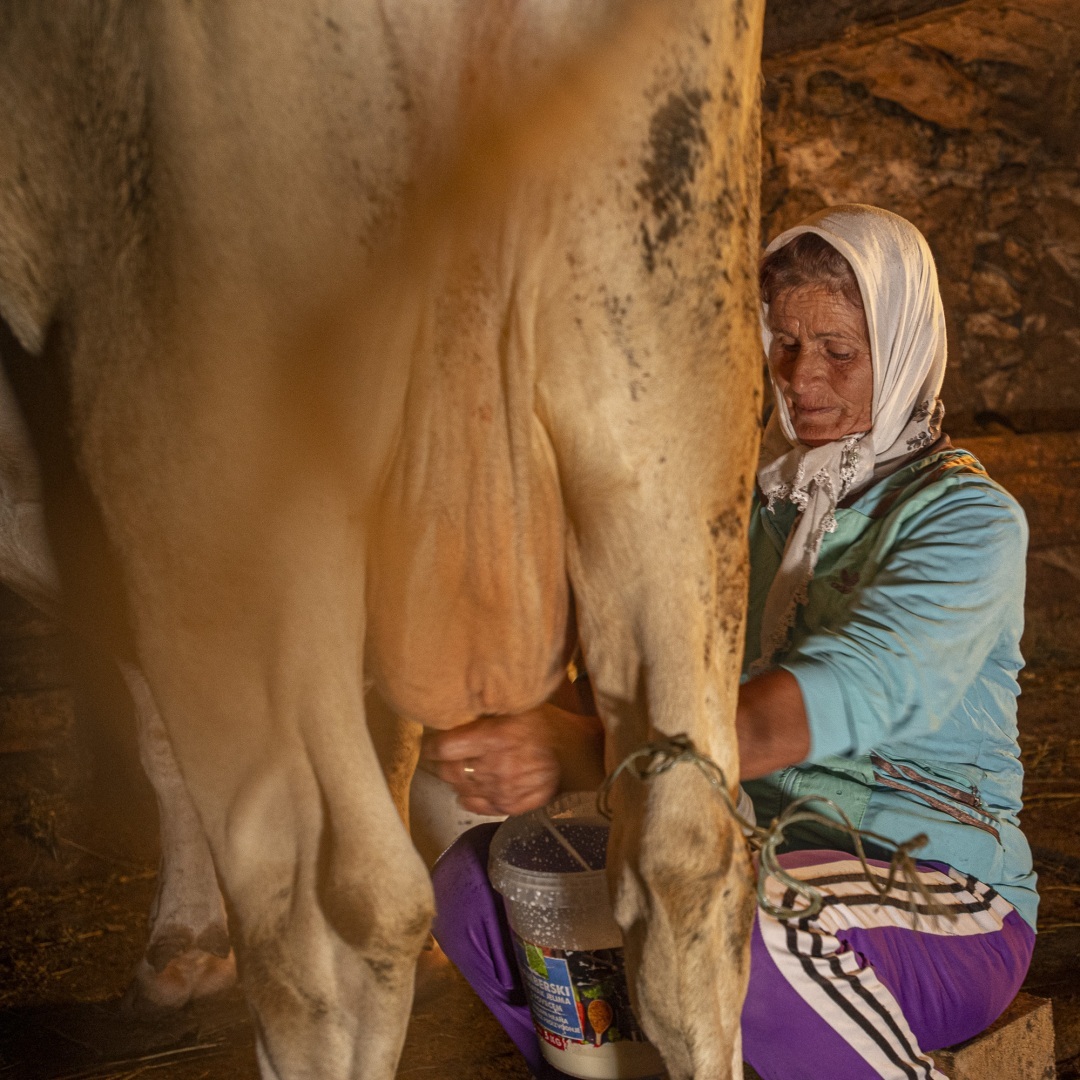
(922, 431)
(801, 493)
(798, 492)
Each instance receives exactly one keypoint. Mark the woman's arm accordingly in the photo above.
(919, 631)
(771, 724)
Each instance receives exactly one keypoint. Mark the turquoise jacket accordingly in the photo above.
(907, 653)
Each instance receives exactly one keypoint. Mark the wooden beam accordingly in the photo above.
(797, 25)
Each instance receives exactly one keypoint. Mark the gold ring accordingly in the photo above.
(468, 770)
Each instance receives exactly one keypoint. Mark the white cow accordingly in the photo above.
(377, 327)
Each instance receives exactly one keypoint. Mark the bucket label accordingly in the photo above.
(551, 994)
(577, 997)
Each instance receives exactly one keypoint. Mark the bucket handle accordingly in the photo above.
(545, 820)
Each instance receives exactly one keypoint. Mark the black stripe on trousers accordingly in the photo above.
(869, 899)
(861, 1021)
(898, 883)
(861, 991)
(863, 899)
(971, 884)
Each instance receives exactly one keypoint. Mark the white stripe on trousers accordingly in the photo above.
(850, 998)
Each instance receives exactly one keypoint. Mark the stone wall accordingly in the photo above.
(968, 124)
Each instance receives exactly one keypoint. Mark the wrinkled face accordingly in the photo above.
(820, 361)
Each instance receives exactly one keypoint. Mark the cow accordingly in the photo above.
(355, 337)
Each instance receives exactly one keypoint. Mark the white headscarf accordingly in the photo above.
(898, 282)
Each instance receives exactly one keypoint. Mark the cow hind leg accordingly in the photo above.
(188, 955)
(329, 907)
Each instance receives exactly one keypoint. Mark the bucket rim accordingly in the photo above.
(537, 886)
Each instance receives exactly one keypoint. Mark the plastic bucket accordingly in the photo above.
(568, 946)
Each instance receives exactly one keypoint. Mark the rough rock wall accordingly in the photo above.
(967, 123)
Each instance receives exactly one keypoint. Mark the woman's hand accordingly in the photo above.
(513, 764)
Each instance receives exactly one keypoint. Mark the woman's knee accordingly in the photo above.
(460, 873)
(469, 919)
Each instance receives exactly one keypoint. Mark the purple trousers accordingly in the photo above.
(856, 993)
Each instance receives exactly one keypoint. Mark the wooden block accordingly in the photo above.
(1019, 1045)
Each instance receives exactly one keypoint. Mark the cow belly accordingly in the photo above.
(467, 594)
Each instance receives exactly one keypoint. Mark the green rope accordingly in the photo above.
(654, 758)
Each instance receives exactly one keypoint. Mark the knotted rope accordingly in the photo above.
(654, 758)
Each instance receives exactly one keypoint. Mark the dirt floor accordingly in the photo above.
(77, 858)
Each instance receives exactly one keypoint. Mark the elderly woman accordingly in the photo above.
(885, 612)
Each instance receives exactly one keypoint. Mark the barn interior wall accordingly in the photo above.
(966, 123)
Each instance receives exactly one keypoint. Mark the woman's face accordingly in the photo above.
(820, 360)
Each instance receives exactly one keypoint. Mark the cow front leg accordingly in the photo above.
(683, 895)
(329, 905)
(649, 388)
(188, 955)
(663, 661)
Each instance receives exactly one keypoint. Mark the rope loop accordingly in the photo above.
(652, 759)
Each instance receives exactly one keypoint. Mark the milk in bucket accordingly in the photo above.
(568, 946)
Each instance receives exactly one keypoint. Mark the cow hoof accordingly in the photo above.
(185, 978)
